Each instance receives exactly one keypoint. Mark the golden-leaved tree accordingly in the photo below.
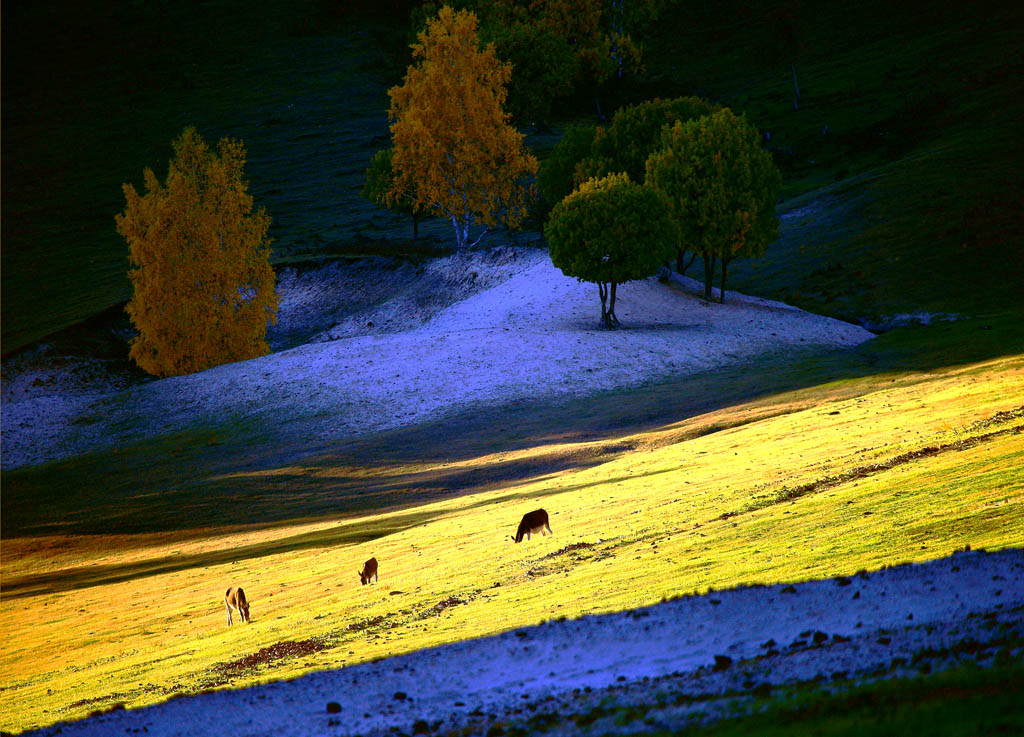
(455, 153)
(203, 287)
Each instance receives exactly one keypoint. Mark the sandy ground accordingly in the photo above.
(380, 347)
(706, 655)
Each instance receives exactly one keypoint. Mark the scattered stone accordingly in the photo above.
(400, 696)
(333, 707)
(722, 662)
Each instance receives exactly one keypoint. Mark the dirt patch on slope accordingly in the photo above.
(224, 672)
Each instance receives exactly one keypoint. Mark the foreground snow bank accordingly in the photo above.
(530, 334)
(729, 641)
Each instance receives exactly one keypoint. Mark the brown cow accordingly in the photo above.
(369, 571)
(234, 598)
(535, 521)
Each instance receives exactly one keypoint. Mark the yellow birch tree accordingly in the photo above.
(203, 287)
(455, 153)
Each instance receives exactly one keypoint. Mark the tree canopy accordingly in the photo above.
(610, 231)
(380, 179)
(203, 287)
(455, 154)
(723, 187)
(557, 47)
(543, 67)
(557, 176)
(635, 132)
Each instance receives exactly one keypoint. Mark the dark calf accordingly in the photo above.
(369, 571)
(533, 522)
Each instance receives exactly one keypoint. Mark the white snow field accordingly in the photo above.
(528, 332)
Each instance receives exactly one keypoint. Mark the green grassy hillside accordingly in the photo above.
(811, 483)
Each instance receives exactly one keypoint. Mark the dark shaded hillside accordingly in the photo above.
(902, 157)
(302, 87)
(903, 149)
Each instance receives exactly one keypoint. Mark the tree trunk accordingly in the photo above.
(612, 321)
(459, 240)
(607, 292)
(616, 32)
(796, 88)
(709, 274)
(725, 265)
(680, 255)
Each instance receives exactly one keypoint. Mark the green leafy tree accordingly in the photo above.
(557, 176)
(723, 187)
(634, 133)
(543, 67)
(610, 231)
(380, 180)
(557, 47)
(585, 151)
(203, 287)
(455, 153)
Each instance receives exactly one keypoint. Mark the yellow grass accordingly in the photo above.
(652, 516)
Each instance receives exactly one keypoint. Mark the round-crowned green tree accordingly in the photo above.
(722, 186)
(611, 231)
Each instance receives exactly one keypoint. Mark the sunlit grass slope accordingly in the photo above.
(813, 483)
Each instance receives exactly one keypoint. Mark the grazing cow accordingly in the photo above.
(369, 571)
(535, 521)
(234, 598)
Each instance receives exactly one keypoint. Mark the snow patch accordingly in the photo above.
(483, 328)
